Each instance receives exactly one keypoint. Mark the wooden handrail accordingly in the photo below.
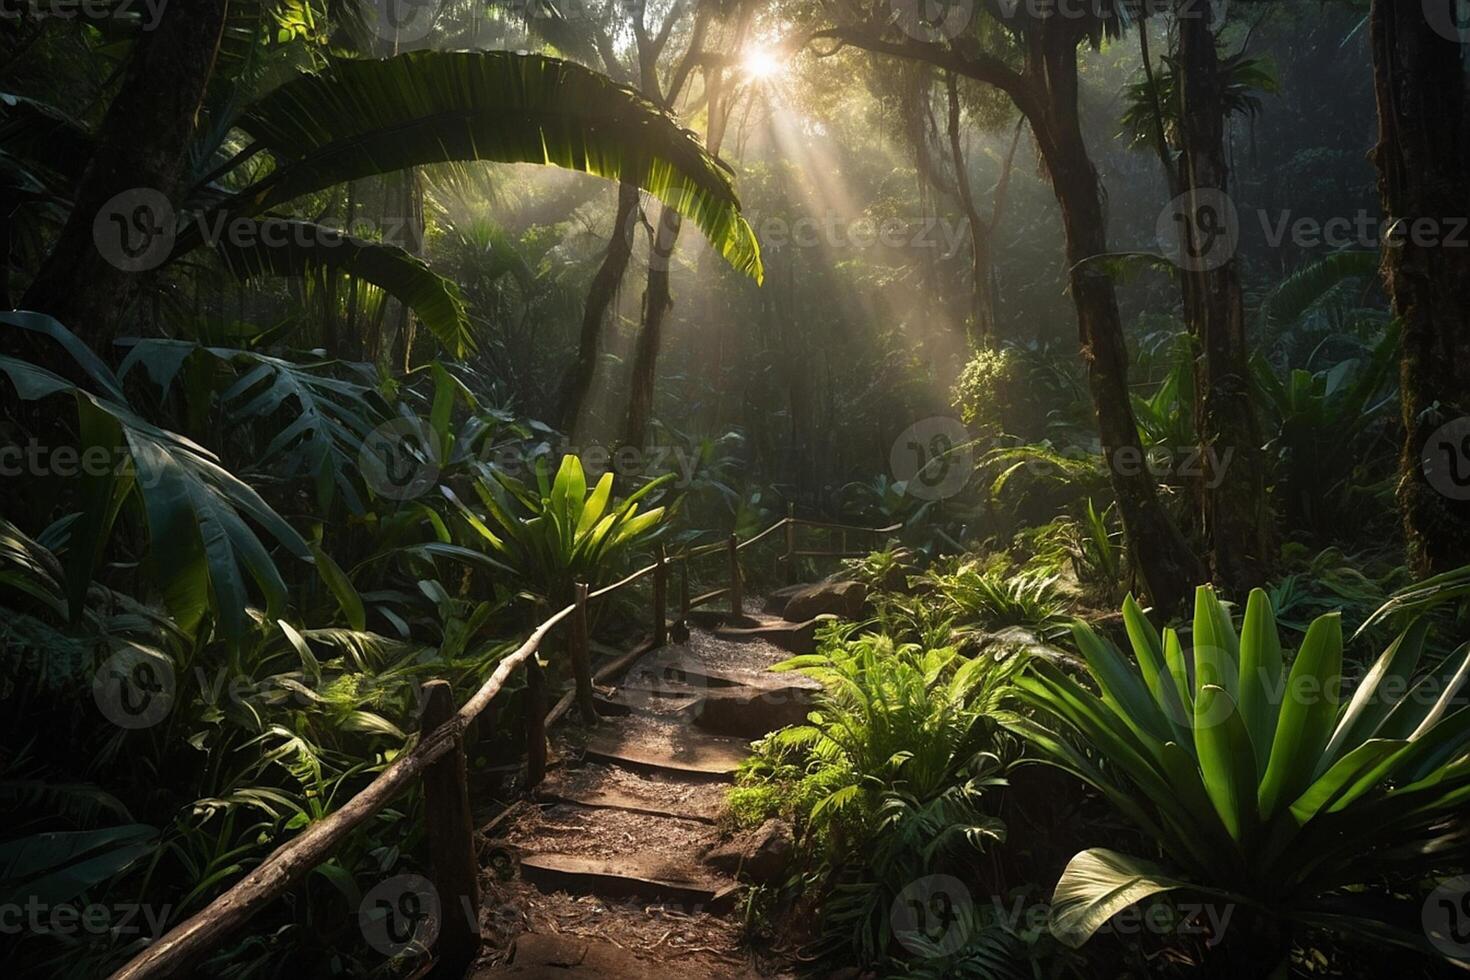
(185, 944)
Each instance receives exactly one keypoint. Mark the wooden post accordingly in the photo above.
(737, 600)
(660, 600)
(582, 656)
(535, 722)
(681, 629)
(451, 840)
(790, 544)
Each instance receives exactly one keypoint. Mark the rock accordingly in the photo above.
(761, 855)
(777, 599)
(749, 713)
(833, 597)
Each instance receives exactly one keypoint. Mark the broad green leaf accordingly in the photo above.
(1179, 672)
(57, 867)
(342, 588)
(1227, 762)
(1381, 688)
(1337, 784)
(1216, 647)
(596, 504)
(301, 249)
(303, 649)
(1121, 688)
(1148, 648)
(1260, 675)
(1308, 710)
(1098, 884)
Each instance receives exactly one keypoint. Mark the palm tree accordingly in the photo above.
(357, 118)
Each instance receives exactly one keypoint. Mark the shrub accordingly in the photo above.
(1260, 785)
(887, 777)
(560, 533)
(988, 600)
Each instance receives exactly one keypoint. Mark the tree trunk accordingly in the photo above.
(140, 147)
(577, 381)
(657, 301)
(1233, 494)
(1169, 568)
(657, 298)
(982, 314)
(1046, 94)
(1423, 160)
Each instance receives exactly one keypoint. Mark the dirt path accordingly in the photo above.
(609, 878)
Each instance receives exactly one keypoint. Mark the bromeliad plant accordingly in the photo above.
(1262, 785)
(559, 533)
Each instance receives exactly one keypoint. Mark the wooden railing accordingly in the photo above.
(438, 759)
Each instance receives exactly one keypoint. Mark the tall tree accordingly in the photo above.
(658, 296)
(1045, 88)
(1234, 515)
(1423, 160)
(577, 381)
(982, 230)
(140, 147)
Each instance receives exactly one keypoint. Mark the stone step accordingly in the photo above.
(680, 672)
(633, 796)
(650, 877)
(791, 637)
(743, 712)
(677, 749)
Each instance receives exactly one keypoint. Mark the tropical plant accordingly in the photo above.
(1242, 79)
(361, 117)
(986, 600)
(884, 501)
(1262, 783)
(257, 739)
(1090, 548)
(1326, 433)
(559, 533)
(889, 772)
(202, 548)
(887, 568)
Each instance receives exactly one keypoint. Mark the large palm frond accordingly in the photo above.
(282, 247)
(359, 118)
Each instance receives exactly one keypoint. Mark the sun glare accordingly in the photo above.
(760, 64)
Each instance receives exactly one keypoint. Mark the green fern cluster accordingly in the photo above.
(888, 776)
(988, 600)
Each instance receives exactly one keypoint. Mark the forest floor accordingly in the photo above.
(602, 874)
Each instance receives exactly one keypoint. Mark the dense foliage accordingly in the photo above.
(339, 344)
